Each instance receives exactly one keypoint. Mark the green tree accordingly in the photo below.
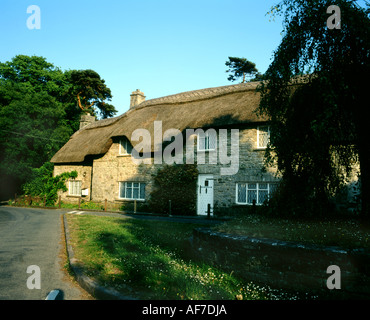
(38, 114)
(90, 92)
(318, 124)
(240, 68)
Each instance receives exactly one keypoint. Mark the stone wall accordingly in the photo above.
(108, 170)
(113, 168)
(251, 164)
(83, 174)
(287, 265)
(105, 172)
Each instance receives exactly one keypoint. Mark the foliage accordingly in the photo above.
(240, 67)
(42, 183)
(318, 125)
(175, 183)
(38, 114)
(90, 92)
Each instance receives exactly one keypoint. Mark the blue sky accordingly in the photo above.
(161, 47)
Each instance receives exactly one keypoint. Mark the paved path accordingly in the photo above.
(33, 237)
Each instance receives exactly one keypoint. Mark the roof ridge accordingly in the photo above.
(199, 94)
(186, 96)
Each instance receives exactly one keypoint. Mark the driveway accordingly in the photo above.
(32, 237)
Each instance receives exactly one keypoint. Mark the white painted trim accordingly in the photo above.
(124, 140)
(257, 191)
(210, 177)
(119, 190)
(258, 137)
(69, 188)
(206, 134)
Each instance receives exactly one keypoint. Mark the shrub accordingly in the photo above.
(178, 184)
(42, 183)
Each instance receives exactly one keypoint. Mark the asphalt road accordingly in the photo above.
(32, 237)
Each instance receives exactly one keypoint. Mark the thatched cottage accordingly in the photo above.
(102, 151)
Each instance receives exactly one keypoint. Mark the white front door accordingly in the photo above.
(205, 194)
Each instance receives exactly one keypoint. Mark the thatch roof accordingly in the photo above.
(212, 107)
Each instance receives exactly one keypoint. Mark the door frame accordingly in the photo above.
(209, 190)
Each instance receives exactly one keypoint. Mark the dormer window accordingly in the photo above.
(207, 141)
(125, 147)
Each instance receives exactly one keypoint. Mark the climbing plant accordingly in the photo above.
(43, 183)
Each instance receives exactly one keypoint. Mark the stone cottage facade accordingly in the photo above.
(216, 128)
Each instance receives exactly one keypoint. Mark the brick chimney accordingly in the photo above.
(86, 119)
(137, 97)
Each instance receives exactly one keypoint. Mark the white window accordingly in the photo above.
(263, 136)
(125, 146)
(75, 188)
(132, 190)
(207, 141)
(247, 193)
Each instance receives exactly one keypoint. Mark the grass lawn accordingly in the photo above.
(344, 233)
(152, 259)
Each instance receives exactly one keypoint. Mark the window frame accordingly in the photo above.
(140, 198)
(207, 135)
(123, 143)
(258, 136)
(257, 189)
(70, 188)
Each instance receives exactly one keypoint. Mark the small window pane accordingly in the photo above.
(242, 193)
(263, 136)
(129, 190)
(202, 142)
(262, 186)
(252, 186)
(128, 147)
(262, 196)
(212, 140)
(75, 188)
(252, 195)
(142, 190)
(135, 193)
(123, 190)
(273, 187)
(125, 146)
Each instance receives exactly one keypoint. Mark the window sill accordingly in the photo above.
(129, 200)
(259, 149)
(207, 150)
(247, 204)
(124, 155)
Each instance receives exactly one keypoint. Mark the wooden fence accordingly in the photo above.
(80, 204)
